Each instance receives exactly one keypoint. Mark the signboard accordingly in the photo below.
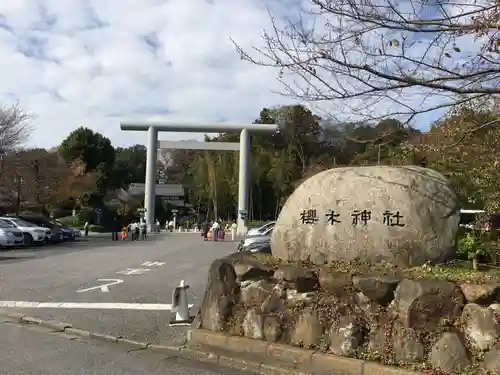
(161, 190)
(99, 213)
(175, 211)
(243, 214)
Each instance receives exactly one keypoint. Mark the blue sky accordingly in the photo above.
(96, 62)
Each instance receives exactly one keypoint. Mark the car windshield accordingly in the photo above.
(266, 227)
(22, 223)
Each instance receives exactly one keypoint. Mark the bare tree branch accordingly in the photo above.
(14, 127)
(382, 58)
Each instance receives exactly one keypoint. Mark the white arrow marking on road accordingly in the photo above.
(87, 305)
(134, 271)
(104, 288)
(153, 264)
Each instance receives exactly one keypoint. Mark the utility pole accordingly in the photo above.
(378, 155)
(19, 181)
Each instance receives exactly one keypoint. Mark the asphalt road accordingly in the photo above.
(33, 350)
(63, 277)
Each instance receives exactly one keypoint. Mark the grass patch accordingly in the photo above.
(456, 271)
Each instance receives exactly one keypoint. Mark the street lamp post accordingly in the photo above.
(2, 155)
(19, 181)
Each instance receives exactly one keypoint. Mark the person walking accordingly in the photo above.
(133, 231)
(137, 230)
(234, 226)
(115, 229)
(144, 230)
(215, 230)
(205, 229)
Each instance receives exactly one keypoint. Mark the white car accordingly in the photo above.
(10, 237)
(261, 230)
(32, 233)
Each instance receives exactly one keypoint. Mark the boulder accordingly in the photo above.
(334, 282)
(407, 347)
(248, 269)
(346, 336)
(404, 215)
(480, 326)
(304, 279)
(272, 328)
(221, 294)
(307, 331)
(425, 304)
(255, 292)
(491, 361)
(253, 324)
(482, 294)
(378, 289)
(449, 353)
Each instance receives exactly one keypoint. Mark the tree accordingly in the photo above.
(95, 152)
(385, 59)
(42, 179)
(466, 151)
(14, 127)
(92, 148)
(129, 166)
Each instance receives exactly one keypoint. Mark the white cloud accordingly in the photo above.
(96, 62)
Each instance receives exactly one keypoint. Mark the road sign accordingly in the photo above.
(175, 211)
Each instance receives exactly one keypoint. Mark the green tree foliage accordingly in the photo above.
(130, 165)
(92, 148)
(465, 146)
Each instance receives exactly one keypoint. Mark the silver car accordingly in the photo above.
(259, 238)
(261, 230)
(10, 237)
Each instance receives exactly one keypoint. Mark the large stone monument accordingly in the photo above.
(405, 215)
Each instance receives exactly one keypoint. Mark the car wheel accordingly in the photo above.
(28, 239)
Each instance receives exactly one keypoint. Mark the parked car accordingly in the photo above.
(260, 230)
(60, 232)
(10, 237)
(258, 247)
(32, 233)
(248, 240)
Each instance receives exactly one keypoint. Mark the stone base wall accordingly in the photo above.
(422, 324)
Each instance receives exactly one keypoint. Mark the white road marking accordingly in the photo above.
(104, 288)
(153, 264)
(87, 305)
(134, 271)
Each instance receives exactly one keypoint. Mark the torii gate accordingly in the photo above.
(152, 153)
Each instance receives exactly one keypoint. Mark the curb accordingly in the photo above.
(271, 358)
(69, 329)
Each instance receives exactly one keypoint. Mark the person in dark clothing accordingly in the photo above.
(205, 230)
(115, 229)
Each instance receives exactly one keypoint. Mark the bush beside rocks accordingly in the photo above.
(396, 317)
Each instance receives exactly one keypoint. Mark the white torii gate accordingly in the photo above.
(152, 153)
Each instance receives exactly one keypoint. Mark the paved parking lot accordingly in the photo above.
(122, 288)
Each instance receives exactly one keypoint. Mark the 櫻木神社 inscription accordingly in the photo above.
(357, 217)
